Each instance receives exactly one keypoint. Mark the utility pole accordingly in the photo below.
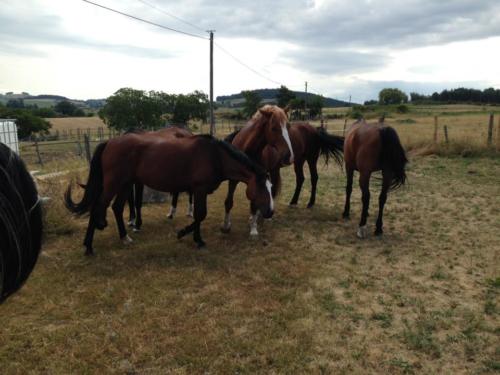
(305, 102)
(212, 119)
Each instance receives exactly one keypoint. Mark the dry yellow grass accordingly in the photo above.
(73, 123)
(307, 297)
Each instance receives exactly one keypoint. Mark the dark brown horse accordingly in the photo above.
(20, 223)
(198, 164)
(308, 143)
(136, 196)
(265, 139)
(369, 148)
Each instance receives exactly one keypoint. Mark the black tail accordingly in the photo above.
(93, 188)
(393, 156)
(330, 146)
(230, 137)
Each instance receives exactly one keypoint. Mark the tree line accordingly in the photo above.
(460, 95)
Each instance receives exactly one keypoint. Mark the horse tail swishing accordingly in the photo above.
(93, 187)
(393, 156)
(20, 223)
(369, 148)
(330, 146)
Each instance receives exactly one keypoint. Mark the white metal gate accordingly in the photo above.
(8, 134)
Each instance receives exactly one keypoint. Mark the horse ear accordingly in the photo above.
(264, 112)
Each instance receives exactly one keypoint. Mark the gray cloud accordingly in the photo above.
(29, 36)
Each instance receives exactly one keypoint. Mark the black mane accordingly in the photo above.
(238, 155)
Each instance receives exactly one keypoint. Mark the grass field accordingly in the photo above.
(307, 297)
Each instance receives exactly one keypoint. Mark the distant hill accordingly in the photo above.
(269, 97)
(45, 100)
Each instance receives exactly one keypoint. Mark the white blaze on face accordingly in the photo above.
(284, 131)
(269, 185)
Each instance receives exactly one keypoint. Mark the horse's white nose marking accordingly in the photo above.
(286, 136)
(269, 185)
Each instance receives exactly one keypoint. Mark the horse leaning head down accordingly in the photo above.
(267, 129)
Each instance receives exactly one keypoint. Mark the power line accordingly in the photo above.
(145, 21)
(247, 66)
(171, 15)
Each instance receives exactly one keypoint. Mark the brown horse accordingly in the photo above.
(136, 196)
(198, 164)
(368, 148)
(308, 143)
(265, 139)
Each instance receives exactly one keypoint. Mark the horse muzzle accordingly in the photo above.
(267, 214)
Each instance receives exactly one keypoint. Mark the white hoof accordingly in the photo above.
(127, 240)
(135, 230)
(362, 232)
(190, 211)
(292, 205)
(254, 232)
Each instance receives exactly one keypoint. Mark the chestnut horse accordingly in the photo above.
(136, 196)
(198, 164)
(308, 143)
(20, 223)
(369, 148)
(265, 139)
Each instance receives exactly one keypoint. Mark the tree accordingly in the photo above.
(65, 108)
(27, 123)
(15, 103)
(284, 96)
(128, 108)
(193, 106)
(251, 104)
(392, 96)
(315, 105)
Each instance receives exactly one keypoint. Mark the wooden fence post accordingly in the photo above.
(79, 148)
(345, 124)
(435, 129)
(446, 134)
(498, 134)
(490, 130)
(86, 139)
(38, 153)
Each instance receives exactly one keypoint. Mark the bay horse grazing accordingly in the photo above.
(308, 143)
(198, 164)
(368, 148)
(136, 195)
(265, 139)
(20, 223)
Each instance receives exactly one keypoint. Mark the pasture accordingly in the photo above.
(306, 297)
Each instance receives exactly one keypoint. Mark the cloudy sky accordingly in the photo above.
(342, 48)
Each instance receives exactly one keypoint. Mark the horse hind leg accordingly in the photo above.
(364, 184)
(386, 182)
(118, 206)
(254, 217)
(200, 213)
(348, 191)
(314, 181)
(139, 190)
(131, 207)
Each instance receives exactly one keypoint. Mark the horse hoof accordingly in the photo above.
(254, 233)
(201, 244)
(310, 205)
(362, 232)
(345, 216)
(189, 214)
(378, 232)
(292, 205)
(100, 225)
(170, 217)
(181, 234)
(225, 230)
(89, 252)
(127, 240)
(131, 223)
(135, 230)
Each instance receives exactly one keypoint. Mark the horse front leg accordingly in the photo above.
(200, 213)
(314, 180)
(117, 207)
(131, 207)
(364, 184)
(173, 207)
(139, 195)
(298, 167)
(190, 205)
(254, 217)
(228, 205)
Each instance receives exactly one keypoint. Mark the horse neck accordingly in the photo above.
(234, 170)
(254, 140)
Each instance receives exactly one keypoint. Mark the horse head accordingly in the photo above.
(275, 125)
(259, 193)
